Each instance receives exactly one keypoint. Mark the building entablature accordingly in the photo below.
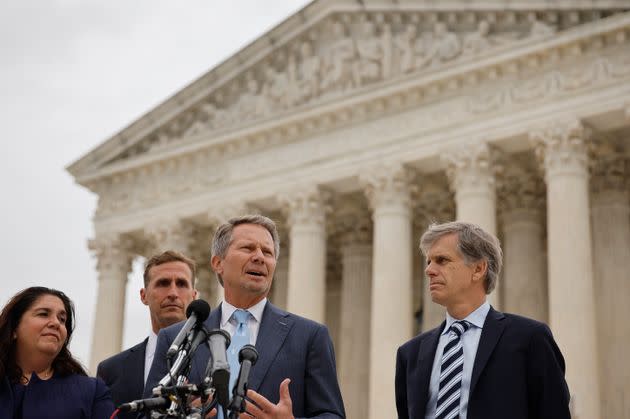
(370, 56)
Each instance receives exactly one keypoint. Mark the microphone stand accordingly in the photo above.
(247, 357)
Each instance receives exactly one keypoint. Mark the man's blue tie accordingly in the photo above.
(451, 369)
(239, 339)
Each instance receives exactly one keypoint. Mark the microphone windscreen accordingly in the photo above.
(201, 309)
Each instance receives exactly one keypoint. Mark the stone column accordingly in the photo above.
(333, 298)
(471, 173)
(306, 292)
(610, 211)
(199, 249)
(434, 204)
(281, 281)
(354, 356)
(521, 195)
(113, 266)
(388, 191)
(562, 148)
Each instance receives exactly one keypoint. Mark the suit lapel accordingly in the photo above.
(134, 364)
(274, 328)
(427, 349)
(492, 330)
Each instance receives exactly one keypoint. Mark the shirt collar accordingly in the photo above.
(476, 318)
(228, 309)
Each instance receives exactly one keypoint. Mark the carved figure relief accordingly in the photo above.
(343, 53)
(372, 52)
(338, 59)
(308, 73)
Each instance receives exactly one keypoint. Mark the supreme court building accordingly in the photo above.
(354, 124)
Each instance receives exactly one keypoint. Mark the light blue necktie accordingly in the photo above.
(239, 339)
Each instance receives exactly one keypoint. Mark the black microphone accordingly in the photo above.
(218, 366)
(197, 312)
(247, 356)
(183, 362)
(144, 404)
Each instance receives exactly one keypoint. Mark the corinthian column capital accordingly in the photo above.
(562, 147)
(472, 166)
(113, 254)
(609, 169)
(169, 235)
(387, 186)
(306, 206)
(520, 189)
(352, 224)
(219, 215)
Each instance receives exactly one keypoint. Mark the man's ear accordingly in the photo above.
(143, 296)
(480, 269)
(216, 263)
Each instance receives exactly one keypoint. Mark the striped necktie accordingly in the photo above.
(451, 369)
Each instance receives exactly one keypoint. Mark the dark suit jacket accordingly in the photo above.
(289, 346)
(518, 372)
(69, 397)
(124, 375)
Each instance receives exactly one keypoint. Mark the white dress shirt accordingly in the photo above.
(470, 342)
(253, 323)
(148, 354)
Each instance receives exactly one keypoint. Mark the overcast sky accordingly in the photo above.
(73, 73)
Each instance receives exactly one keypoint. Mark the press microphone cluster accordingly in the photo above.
(171, 398)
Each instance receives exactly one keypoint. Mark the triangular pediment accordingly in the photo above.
(335, 49)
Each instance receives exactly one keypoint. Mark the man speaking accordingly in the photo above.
(295, 374)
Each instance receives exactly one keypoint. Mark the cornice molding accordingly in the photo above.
(464, 72)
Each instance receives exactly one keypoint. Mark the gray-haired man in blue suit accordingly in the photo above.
(295, 375)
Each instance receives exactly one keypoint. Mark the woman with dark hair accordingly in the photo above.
(39, 378)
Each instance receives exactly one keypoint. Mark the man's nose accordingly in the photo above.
(429, 270)
(172, 290)
(258, 255)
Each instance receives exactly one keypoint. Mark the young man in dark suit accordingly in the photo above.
(295, 375)
(169, 286)
(480, 363)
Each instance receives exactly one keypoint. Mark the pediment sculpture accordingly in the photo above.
(343, 53)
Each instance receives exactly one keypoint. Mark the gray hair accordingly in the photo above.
(474, 244)
(223, 236)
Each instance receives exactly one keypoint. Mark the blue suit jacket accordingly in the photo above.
(124, 375)
(518, 372)
(289, 346)
(70, 397)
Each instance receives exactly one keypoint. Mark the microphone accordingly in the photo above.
(197, 312)
(218, 367)
(182, 363)
(247, 356)
(144, 404)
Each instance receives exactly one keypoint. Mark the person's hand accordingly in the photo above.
(261, 408)
(196, 402)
